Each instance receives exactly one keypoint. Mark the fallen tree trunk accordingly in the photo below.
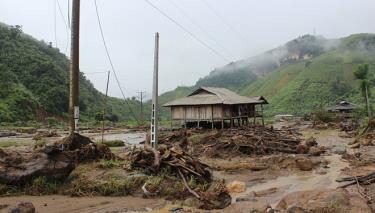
(362, 180)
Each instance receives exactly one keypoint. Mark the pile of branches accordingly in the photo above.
(362, 180)
(252, 141)
(173, 158)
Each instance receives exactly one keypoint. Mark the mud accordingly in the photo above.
(268, 180)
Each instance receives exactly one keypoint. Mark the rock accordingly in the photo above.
(20, 167)
(7, 134)
(315, 151)
(266, 192)
(247, 197)
(323, 200)
(366, 142)
(304, 163)
(355, 145)
(296, 209)
(321, 172)
(236, 187)
(302, 148)
(311, 142)
(193, 202)
(22, 207)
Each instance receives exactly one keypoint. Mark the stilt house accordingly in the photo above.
(213, 106)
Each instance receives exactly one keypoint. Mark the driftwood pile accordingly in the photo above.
(253, 141)
(172, 158)
(362, 180)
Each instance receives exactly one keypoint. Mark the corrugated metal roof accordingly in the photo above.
(215, 95)
(343, 105)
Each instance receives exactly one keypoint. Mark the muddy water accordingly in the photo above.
(132, 138)
(322, 178)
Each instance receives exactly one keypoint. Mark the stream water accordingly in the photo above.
(132, 138)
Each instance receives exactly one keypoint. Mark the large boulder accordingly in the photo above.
(323, 200)
(22, 207)
(20, 167)
(304, 163)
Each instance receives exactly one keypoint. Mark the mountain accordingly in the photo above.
(304, 74)
(34, 82)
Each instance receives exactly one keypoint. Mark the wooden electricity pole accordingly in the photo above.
(105, 106)
(74, 70)
(154, 106)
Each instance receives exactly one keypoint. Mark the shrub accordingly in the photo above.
(114, 143)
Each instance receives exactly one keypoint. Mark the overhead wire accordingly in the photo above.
(191, 20)
(67, 27)
(55, 21)
(187, 31)
(110, 62)
(229, 25)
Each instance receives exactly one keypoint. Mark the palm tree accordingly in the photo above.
(361, 73)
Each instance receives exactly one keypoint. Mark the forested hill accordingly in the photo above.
(34, 81)
(302, 75)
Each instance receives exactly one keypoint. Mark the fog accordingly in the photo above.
(236, 29)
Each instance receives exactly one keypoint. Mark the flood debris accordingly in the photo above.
(178, 163)
(7, 134)
(174, 158)
(19, 167)
(45, 134)
(362, 180)
(252, 141)
(54, 162)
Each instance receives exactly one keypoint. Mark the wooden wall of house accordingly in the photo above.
(205, 112)
(200, 112)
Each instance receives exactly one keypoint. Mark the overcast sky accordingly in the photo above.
(235, 29)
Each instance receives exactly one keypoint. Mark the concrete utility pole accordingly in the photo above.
(142, 94)
(105, 106)
(154, 106)
(74, 70)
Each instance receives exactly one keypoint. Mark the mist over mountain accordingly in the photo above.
(297, 77)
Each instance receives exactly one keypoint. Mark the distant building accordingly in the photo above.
(343, 107)
(213, 106)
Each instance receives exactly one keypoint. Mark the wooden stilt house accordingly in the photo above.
(213, 106)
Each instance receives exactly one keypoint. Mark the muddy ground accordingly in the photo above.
(270, 180)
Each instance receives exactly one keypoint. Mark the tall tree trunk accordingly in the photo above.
(368, 105)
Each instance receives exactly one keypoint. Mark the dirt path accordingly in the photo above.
(56, 203)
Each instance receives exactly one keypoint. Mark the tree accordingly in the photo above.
(361, 73)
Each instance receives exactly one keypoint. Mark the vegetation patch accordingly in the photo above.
(114, 143)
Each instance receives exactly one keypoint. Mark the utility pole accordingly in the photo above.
(74, 70)
(104, 106)
(142, 94)
(154, 106)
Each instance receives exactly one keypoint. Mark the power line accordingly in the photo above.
(186, 30)
(110, 60)
(55, 22)
(67, 28)
(191, 20)
(217, 14)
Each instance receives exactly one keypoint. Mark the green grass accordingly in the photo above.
(10, 143)
(114, 143)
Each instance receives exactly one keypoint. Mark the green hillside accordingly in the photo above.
(300, 76)
(34, 78)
